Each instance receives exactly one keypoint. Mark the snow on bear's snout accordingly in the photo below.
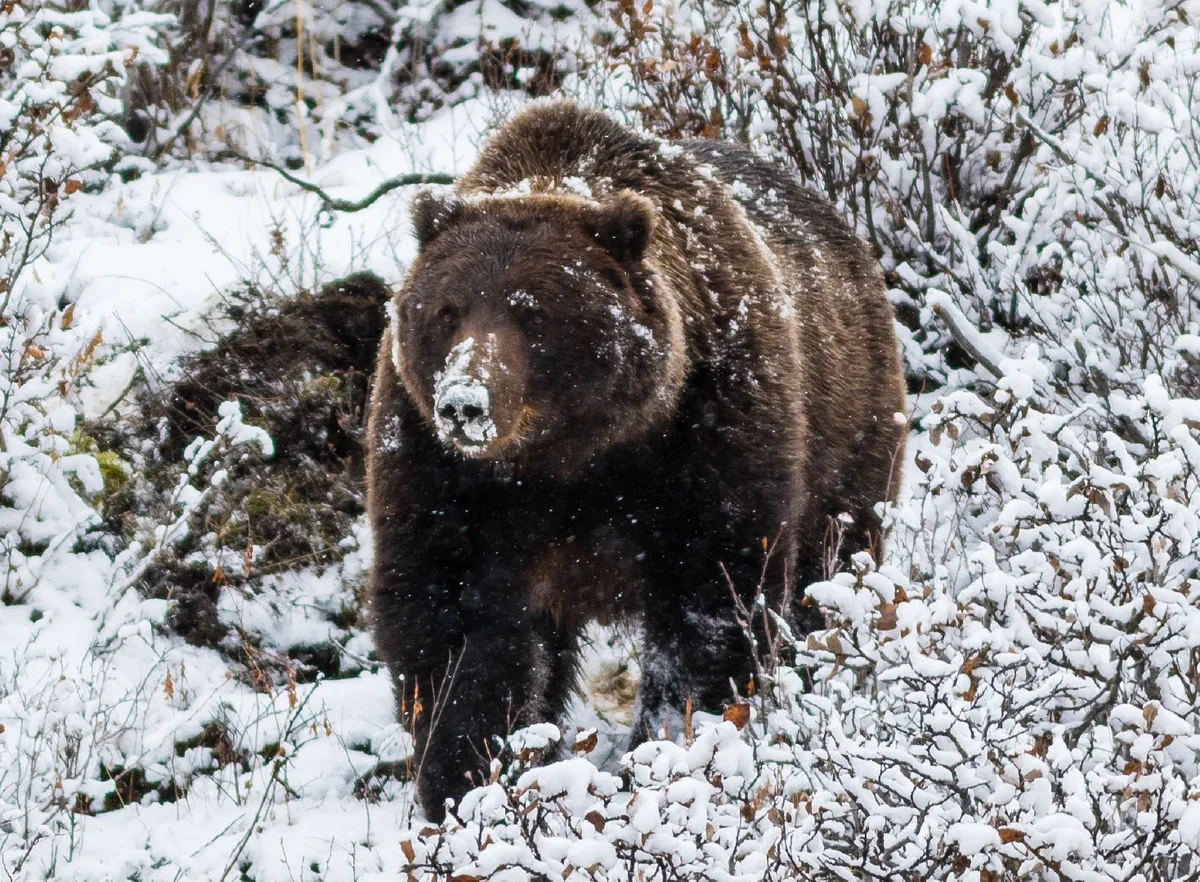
(462, 403)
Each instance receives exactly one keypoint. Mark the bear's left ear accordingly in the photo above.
(624, 226)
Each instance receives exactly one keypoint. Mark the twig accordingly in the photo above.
(279, 764)
(1163, 250)
(133, 381)
(962, 332)
(332, 204)
(440, 700)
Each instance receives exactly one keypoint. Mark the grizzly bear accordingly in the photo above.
(620, 369)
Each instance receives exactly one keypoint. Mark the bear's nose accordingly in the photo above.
(460, 412)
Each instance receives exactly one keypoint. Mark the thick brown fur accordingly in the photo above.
(617, 371)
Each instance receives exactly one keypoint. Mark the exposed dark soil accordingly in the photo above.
(300, 368)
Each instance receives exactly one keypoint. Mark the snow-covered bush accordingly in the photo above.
(60, 71)
(306, 76)
(1036, 160)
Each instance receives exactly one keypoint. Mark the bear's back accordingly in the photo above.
(853, 375)
(560, 146)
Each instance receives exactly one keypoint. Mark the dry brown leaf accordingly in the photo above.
(586, 745)
(887, 617)
(738, 714)
(973, 662)
(1009, 834)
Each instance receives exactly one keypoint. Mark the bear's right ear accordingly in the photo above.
(624, 225)
(432, 213)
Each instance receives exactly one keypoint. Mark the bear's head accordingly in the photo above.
(536, 328)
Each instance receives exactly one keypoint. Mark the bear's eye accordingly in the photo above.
(537, 319)
(448, 316)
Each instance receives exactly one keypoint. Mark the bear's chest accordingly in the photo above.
(588, 576)
(581, 548)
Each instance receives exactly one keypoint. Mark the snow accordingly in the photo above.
(460, 389)
(972, 838)
(90, 679)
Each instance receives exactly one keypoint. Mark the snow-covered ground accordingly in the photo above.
(243, 783)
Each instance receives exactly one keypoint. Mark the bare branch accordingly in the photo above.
(209, 89)
(962, 332)
(331, 203)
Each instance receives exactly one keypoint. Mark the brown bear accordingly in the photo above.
(618, 370)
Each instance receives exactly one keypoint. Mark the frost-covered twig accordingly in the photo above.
(963, 333)
(212, 84)
(187, 498)
(279, 765)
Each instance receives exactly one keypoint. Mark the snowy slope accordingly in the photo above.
(92, 684)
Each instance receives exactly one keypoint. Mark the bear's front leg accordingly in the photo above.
(471, 662)
(739, 535)
(693, 645)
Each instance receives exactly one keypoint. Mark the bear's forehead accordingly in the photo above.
(528, 227)
(486, 242)
(515, 264)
